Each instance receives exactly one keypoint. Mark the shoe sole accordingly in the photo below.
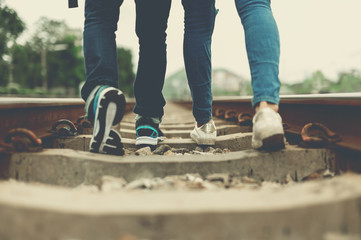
(111, 108)
(273, 143)
(147, 141)
(204, 141)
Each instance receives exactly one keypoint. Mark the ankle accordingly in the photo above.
(201, 124)
(264, 104)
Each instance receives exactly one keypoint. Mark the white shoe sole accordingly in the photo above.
(146, 141)
(203, 141)
(111, 106)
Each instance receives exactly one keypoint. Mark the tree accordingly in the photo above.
(66, 67)
(11, 27)
(349, 81)
(316, 83)
(27, 68)
(126, 74)
(48, 32)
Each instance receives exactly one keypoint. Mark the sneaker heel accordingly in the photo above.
(273, 143)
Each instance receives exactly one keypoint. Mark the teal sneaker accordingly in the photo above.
(148, 133)
(105, 108)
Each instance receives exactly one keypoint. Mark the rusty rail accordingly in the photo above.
(341, 113)
(39, 114)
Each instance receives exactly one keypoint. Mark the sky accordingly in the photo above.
(315, 34)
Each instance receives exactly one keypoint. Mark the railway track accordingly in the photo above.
(51, 187)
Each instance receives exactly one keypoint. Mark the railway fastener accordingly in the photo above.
(68, 130)
(245, 119)
(231, 115)
(219, 112)
(84, 125)
(318, 135)
(21, 140)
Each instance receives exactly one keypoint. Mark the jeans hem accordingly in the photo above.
(144, 113)
(257, 100)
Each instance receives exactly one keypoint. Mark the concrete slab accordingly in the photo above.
(221, 130)
(234, 142)
(312, 210)
(71, 168)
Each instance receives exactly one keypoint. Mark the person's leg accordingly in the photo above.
(151, 25)
(199, 18)
(263, 50)
(105, 103)
(100, 54)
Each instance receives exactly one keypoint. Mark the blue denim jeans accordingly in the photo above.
(262, 44)
(263, 48)
(101, 18)
(100, 53)
(199, 18)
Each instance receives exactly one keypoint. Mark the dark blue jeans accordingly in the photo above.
(101, 18)
(100, 53)
(263, 48)
(199, 18)
(262, 44)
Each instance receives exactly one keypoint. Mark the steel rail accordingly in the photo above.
(341, 113)
(39, 114)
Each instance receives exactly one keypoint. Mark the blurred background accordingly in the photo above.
(41, 48)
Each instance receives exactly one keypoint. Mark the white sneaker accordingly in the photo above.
(267, 130)
(205, 134)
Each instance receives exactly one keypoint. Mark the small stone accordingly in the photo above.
(219, 177)
(289, 179)
(328, 174)
(192, 177)
(209, 150)
(110, 183)
(312, 176)
(198, 149)
(180, 150)
(197, 152)
(161, 149)
(210, 186)
(169, 153)
(142, 183)
(249, 180)
(218, 150)
(129, 151)
(226, 150)
(143, 151)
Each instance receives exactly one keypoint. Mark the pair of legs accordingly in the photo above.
(199, 21)
(101, 18)
(263, 50)
(151, 26)
(262, 44)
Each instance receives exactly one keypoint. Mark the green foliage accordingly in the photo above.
(27, 66)
(47, 33)
(317, 83)
(126, 74)
(348, 82)
(65, 67)
(54, 55)
(11, 26)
